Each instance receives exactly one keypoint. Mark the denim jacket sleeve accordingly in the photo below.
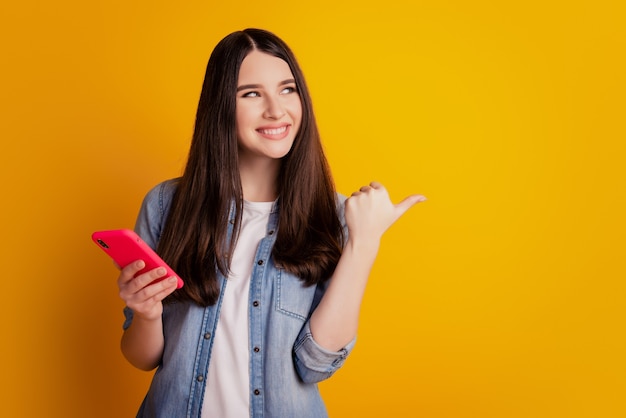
(150, 221)
(153, 212)
(313, 362)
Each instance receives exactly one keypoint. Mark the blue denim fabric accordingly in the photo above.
(285, 361)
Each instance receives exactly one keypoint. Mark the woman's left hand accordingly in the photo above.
(370, 212)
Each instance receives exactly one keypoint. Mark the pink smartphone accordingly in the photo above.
(125, 246)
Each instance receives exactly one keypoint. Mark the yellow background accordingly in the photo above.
(502, 296)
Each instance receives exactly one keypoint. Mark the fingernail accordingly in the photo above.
(161, 271)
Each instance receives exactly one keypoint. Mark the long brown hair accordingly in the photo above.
(195, 236)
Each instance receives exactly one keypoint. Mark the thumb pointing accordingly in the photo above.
(407, 203)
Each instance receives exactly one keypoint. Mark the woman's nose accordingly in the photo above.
(273, 109)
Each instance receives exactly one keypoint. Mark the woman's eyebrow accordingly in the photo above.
(258, 86)
(248, 86)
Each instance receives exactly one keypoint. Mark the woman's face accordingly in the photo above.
(269, 110)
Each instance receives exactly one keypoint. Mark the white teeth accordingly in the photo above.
(276, 131)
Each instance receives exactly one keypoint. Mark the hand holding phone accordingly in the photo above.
(125, 246)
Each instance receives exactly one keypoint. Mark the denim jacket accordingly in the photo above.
(285, 361)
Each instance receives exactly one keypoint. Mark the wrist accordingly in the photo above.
(363, 247)
(147, 319)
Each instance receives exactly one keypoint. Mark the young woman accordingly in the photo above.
(275, 263)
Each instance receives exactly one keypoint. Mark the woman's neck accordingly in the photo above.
(258, 182)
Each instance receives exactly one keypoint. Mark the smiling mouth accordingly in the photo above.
(273, 131)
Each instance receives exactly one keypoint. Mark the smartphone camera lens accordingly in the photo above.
(103, 244)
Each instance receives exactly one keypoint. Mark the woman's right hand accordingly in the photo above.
(141, 295)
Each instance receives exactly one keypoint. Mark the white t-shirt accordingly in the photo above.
(227, 394)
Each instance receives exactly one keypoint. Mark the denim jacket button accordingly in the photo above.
(257, 392)
(200, 378)
(255, 303)
(207, 335)
(256, 349)
(260, 262)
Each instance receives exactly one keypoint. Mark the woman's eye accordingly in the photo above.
(288, 90)
(251, 94)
